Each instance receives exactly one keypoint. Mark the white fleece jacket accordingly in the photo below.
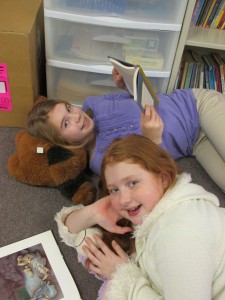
(180, 249)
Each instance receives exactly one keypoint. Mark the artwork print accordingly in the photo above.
(34, 269)
(27, 275)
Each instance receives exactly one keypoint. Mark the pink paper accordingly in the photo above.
(5, 99)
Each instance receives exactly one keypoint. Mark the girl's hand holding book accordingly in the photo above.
(151, 124)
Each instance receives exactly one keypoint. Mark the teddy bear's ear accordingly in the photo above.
(28, 164)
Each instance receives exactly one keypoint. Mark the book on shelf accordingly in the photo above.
(179, 75)
(199, 69)
(213, 13)
(221, 65)
(221, 21)
(201, 12)
(197, 10)
(35, 269)
(218, 86)
(193, 80)
(206, 13)
(136, 82)
(209, 66)
(218, 14)
(188, 75)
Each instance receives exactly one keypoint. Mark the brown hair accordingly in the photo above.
(38, 122)
(39, 126)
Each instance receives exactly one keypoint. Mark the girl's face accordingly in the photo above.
(71, 122)
(134, 191)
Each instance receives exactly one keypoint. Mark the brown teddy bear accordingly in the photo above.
(40, 163)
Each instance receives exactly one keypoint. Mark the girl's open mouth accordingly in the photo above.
(134, 211)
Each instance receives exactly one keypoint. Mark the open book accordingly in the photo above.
(136, 82)
(35, 269)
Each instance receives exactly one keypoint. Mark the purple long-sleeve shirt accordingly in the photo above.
(117, 115)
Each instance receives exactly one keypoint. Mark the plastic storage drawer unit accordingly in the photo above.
(75, 86)
(160, 11)
(83, 43)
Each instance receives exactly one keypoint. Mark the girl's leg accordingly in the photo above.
(209, 149)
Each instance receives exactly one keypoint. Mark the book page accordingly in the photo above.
(128, 71)
(136, 82)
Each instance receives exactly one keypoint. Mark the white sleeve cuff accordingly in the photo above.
(72, 239)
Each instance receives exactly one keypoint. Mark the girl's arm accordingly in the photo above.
(99, 213)
(152, 125)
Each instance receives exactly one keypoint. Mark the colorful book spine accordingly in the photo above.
(188, 76)
(201, 12)
(221, 22)
(184, 73)
(210, 72)
(213, 13)
(193, 75)
(208, 9)
(218, 15)
(221, 65)
(197, 11)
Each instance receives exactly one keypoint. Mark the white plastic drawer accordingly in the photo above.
(75, 86)
(160, 11)
(82, 43)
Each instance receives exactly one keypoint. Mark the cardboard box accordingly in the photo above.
(22, 53)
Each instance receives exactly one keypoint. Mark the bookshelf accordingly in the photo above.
(206, 38)
(200, 39)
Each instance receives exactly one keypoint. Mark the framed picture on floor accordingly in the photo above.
(34, 268)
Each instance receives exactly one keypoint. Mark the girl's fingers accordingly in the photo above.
(104, 248)
(119, 250)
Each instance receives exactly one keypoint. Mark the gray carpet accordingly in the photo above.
(27, 210)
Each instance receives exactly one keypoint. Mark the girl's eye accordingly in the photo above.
(68, 108)
(113, 191)
(66, 123)
(133, 183)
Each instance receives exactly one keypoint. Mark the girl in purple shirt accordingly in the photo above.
(186, 122)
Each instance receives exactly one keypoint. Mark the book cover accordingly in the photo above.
(136, 82)
(34, 268)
